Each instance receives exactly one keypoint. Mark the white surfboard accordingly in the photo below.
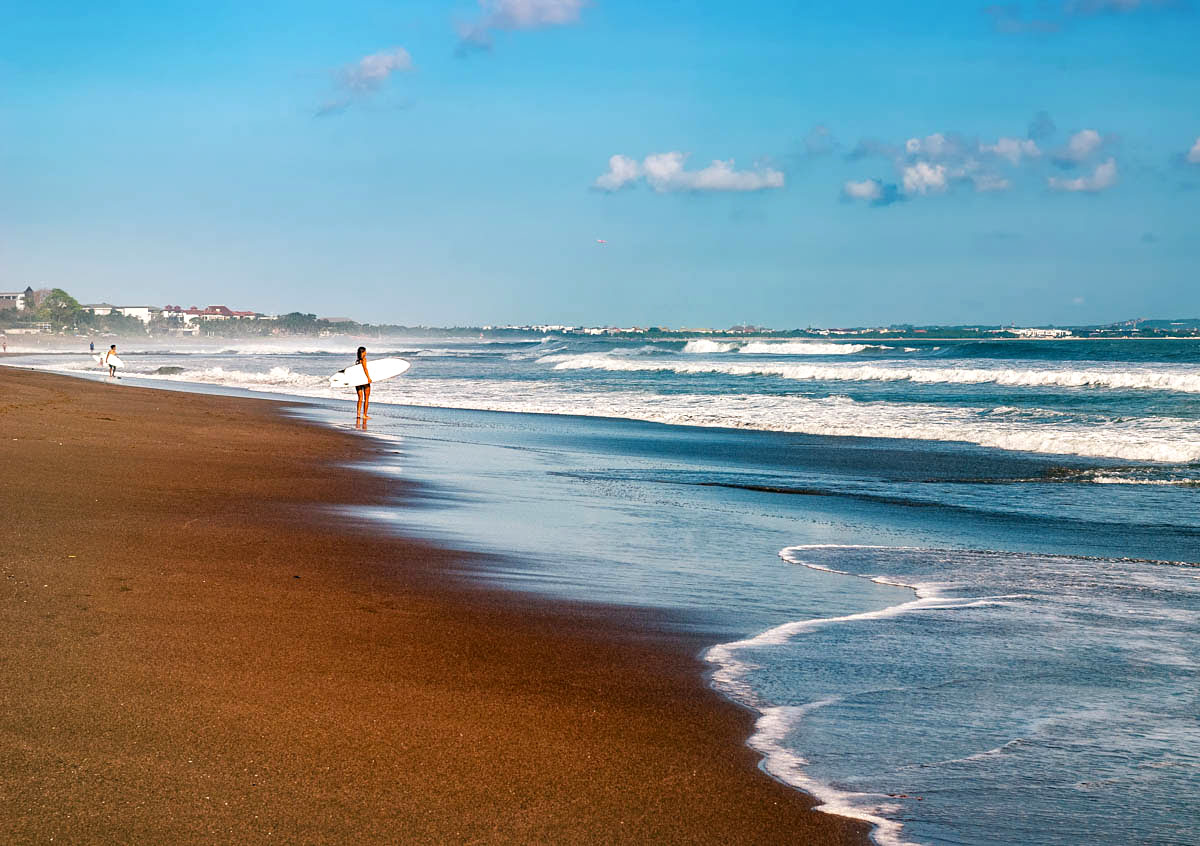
(383, 368)
(112, 359)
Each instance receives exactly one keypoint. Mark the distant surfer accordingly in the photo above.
(112, 353)
(364, 391)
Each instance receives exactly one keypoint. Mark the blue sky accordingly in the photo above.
(453, 163)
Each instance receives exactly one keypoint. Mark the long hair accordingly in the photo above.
(361, 350)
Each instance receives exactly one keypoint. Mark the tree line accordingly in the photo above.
(64, 313)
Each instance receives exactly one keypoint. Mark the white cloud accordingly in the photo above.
(370, 72)
(1104, 176)
(530, 14)
(519, 14)
(935, 146)
(1013, 149)
(1193, 155)
(622, 171)
(1082, 144)
(923, 178)
(365, 77)
(869, 190)
(665, 172)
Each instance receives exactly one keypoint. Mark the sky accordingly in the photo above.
(597, 162)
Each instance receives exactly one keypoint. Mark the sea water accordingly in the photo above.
(957, 580)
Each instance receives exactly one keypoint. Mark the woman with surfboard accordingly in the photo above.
(357, 377)
(364, 391)
(110, 358)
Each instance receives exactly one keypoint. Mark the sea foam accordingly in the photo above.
(703, 346)
(1182, 380)
(1155, 438)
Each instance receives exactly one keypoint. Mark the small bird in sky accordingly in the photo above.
(601, 242)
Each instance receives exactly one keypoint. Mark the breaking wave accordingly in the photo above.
(706, 347)
(1159, 439)
(1180, 380)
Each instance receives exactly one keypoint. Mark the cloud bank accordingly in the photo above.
(664, 172)
(933, 164)
(943, 162)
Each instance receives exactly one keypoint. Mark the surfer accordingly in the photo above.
(112, 368)
(364, 391)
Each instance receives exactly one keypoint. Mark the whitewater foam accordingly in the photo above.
(771, 730)
(1161, 378)
(706, 347)
(702, 346)
(776, 722)
(1159, 439)
(804, 348)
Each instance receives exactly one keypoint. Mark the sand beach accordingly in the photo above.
(195, 651)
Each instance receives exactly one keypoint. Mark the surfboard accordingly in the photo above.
(383, 368)
(112, 359)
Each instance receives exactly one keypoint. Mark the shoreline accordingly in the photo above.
(223, 665)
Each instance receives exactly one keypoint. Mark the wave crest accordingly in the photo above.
(1176, 380)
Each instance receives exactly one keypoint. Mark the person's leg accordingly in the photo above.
(358, 408)
(366, 400)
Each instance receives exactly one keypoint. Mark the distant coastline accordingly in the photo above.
(50, 312)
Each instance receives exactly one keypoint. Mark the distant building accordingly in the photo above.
(100, 309)
(336, 319)
(18, 300)
(183, 315)
(213, 312)
(142, 313)
(1034, 333)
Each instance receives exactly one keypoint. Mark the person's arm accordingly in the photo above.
(366, 372)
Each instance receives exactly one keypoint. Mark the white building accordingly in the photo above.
(100, 309)
(1036, 333)
(142, 313)
(16, 299)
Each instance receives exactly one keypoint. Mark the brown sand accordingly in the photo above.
(187, 654)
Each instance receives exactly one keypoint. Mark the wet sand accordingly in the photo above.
(193, 651)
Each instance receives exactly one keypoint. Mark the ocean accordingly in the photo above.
(959, 582)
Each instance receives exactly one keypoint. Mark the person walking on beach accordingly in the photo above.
(92, 347)
(112, 352)
(364, 391)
